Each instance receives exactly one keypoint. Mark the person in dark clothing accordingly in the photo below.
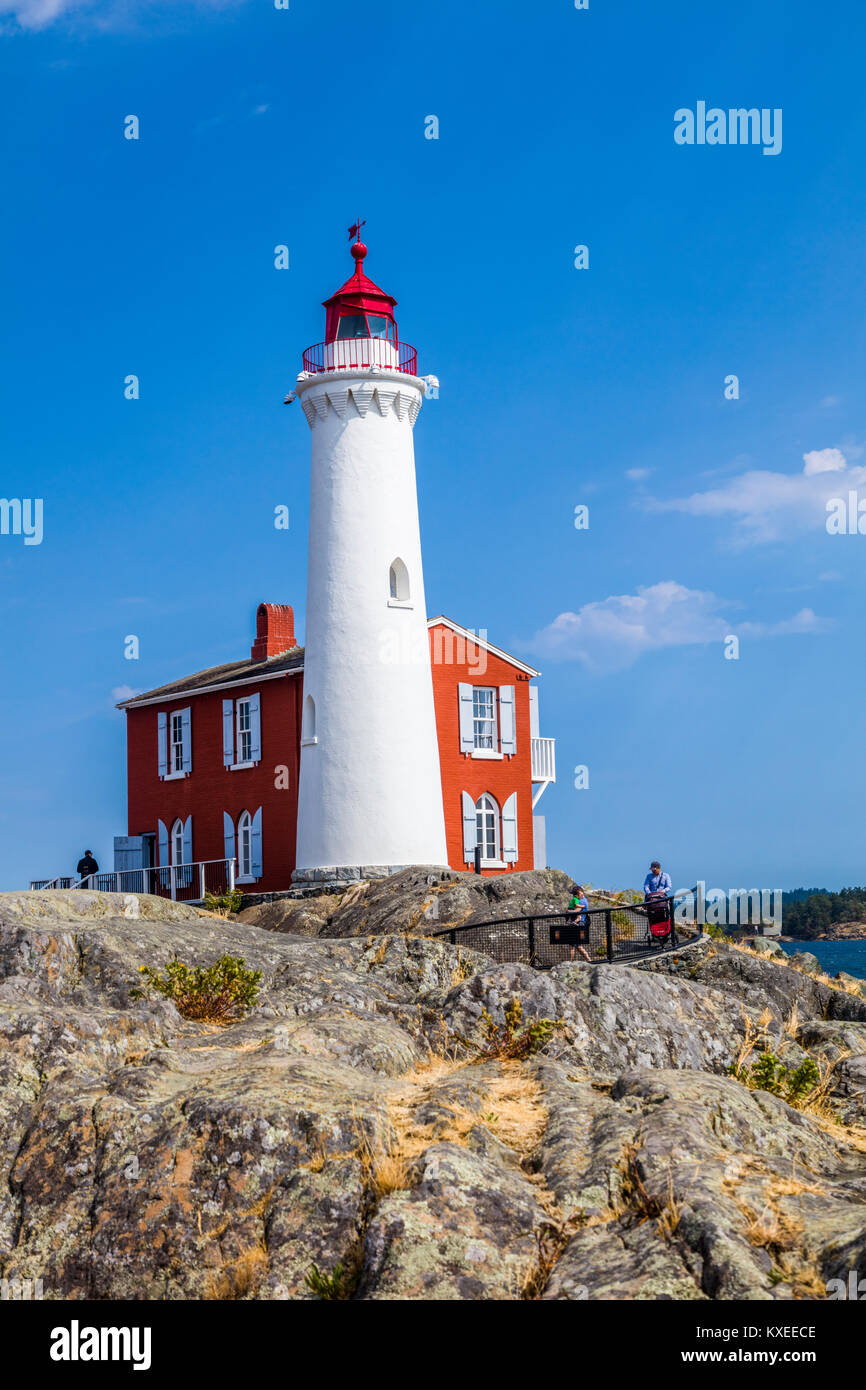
(87, 865)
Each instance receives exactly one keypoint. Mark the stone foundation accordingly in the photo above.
(340, 877)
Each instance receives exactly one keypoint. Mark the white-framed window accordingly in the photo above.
(308, 722)
(487, 828)
(245, 846)
(487, 720)
(177, 842)
(484, 716)
(176, 764)
(244, 732)
(398, 583)
(174, 743)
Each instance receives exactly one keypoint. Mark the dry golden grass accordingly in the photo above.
(389, 1172)
(241, 1276)
(845, 986)
(755, 1035)
(792, 1021)
(771, 1229)
(792, 1187)
(780, 1232)
(517, 1115)
(381, 950)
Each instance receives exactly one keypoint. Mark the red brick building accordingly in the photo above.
(213, 761)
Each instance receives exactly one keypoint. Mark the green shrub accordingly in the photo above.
(327, 1286)
(218, 993)
(225, 903)
(768, 1073)
(510, 1040)
(716, 932)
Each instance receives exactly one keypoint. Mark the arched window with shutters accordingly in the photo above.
(245, 846)
(308, 723)
(177, 842)
(398, 583)
(487, 828)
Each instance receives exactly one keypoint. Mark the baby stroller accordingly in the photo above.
(660, 922)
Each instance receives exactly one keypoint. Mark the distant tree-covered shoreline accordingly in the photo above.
(807, 912)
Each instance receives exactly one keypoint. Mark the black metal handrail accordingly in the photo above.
(602, 935)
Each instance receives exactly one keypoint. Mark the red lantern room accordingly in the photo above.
(360, 309)
(360, 328)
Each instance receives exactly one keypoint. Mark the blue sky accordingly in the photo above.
(560, 387)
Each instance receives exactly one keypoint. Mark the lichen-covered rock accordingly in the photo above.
(765, 946)
(416, 900)
(613, 1018)
(690, 1186)
(355, 1136)
(762, 983)
(805, 961)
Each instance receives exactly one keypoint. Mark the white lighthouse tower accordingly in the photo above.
(370, 797)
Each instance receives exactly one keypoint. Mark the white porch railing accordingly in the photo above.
(180, 882)
(543, 767)
(544, 760)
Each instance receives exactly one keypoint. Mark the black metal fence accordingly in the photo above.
(612, 935)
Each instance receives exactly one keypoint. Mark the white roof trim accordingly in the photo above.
(200, 689)
(479, 642)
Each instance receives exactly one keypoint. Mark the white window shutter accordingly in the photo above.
(186, 736)
(162, 743)
(507, 728)
(533, 712)
(228, 834)
(256, 845)
(162, 838)
(467, 724)
(470, 828)
(256, 727)
(228, 736)
(187, 841)
(509, 829)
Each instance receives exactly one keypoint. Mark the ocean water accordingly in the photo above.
(833, 956)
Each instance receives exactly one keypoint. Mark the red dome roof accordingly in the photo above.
(359, 295)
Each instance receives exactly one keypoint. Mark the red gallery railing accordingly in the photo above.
(350, 353)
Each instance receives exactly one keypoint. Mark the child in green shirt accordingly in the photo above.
(577, 910)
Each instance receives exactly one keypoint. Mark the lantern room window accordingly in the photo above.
(353, 326)
(366, 326)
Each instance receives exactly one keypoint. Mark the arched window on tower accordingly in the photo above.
(398, 582)
(308, 723)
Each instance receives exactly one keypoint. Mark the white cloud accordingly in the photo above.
(767, 506)
(123, 692)
(637, 474)
(824, 461)
(39, 14)
(36, 14)
(612, 634)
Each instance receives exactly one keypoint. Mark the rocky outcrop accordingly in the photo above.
(416, 900)
(763, 982)
(356, 1136)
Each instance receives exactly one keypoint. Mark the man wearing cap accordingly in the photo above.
(656, 881)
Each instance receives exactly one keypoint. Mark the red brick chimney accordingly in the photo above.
(275, 631)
